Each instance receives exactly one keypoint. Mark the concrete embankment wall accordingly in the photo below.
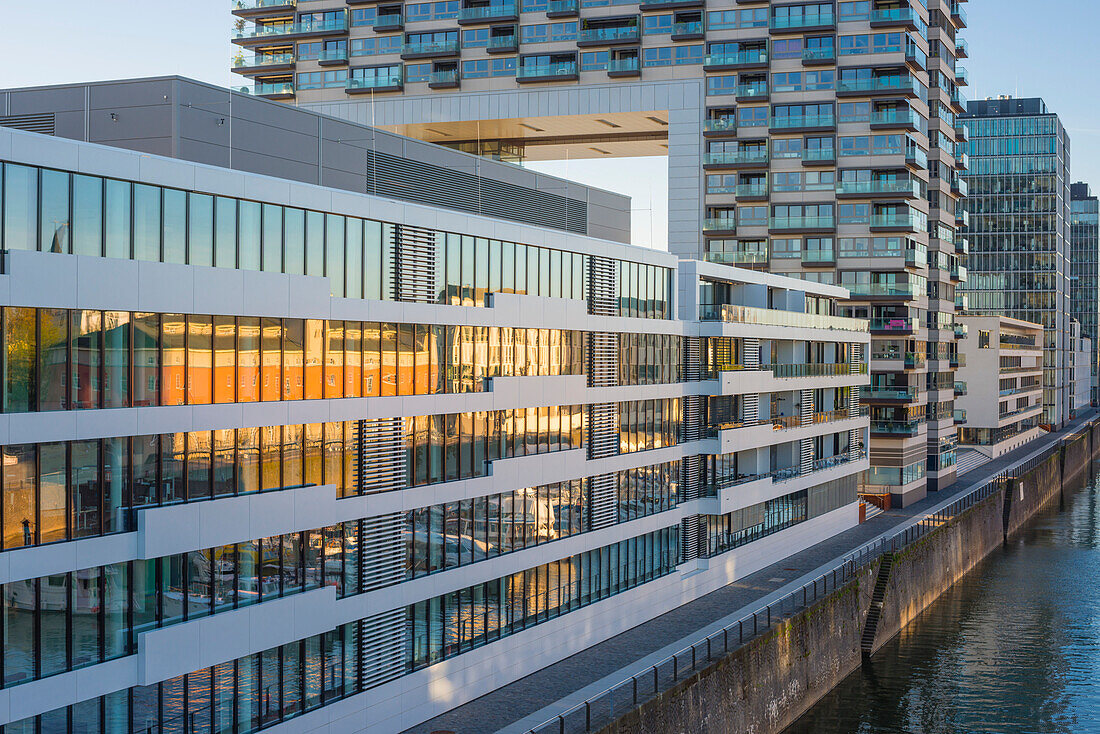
(765, 685)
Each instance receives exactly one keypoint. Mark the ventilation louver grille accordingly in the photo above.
(43, 124)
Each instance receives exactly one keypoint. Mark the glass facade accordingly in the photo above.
(1085, 263)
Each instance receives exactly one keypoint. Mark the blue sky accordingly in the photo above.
(1046, 48)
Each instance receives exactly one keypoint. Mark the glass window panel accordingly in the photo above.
(225, 233)
(354, 276)
(54, 208)
(389, 359)
(200, 230)
(372, 364)
(172, 451)
(248, 359)
(146, 380)
(147, 225)
(334, 359)
(225, 358)
(248, 235)
(312, 458)
(334, 253)
(200, 358)
(314, 355)
(175, 226)
(116, 489)
(117, 219)
(353, 359)
(273, 238)
(20, 359)
(372, 260)
(292, 455)
(116, 359)
(20, 207)
(173, 359)
(248, 460)
(293, 358)
(271, 445)
(53, 492)
(86, 500)
(53, 359)
(315, 243)
(225, 444)
(86, 597)
(87, 229)
(86, 330)
(53, 640)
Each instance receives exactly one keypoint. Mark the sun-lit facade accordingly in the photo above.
(277, 454)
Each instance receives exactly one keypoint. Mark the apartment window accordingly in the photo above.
(787, 48)
(447, 10)
(672, 55)
(657, 24)
(594, 60)
(726, 84)
(376, 46)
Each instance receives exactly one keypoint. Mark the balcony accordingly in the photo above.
(736, 60)
(617, 68)
(288, 31)
(719, 125)
(750, 92)
(502, 44)
(818, 156)
(962, 48)
(817, 258)
(914, 156)
(648, 5)
(720, 225)
(752, 158)
(282, 90)
(906, 188)
(901, 291)
(263, 63)
(817, 369)
(609, 36)
(958, 274)
(962, 76)
(960, 186)
(897, 428)
(444, 79)
(379, 83)
(333, 57)
(802, 224)
(958, 101)
(803, 122)
(751, 191)
(962, 161)
(562, 9)
(754, 257)
(958, 14)
(881, 325)
(959, 416)
(877, 85)
(897, 221)
(960, 388)
(889, 394)
(430, 49)
(559, 71)
(910, 360)
(503, 12)
(689, 31)
(813, 56)
(895, 17)
(734, 314)
(962, 217)
(797, 23)
(904, 118)
(389, 22)
(252, 8)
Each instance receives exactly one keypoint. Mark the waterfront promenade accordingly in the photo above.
(516, 708)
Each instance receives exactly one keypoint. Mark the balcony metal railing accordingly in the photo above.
(292, 29)
(785, 422)
(735, 314)
(832, 416)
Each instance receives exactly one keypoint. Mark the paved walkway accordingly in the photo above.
(531, 700)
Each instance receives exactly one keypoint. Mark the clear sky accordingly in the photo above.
(1045, 48)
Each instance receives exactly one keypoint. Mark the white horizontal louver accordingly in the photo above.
(381, 551)
(382, 647)
(602, 501)
(381, 464)
(42, 124)
(414, 264)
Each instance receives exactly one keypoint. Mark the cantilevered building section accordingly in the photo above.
(281, 454)
(816, 139)
(1085, 269)
(1019, 230)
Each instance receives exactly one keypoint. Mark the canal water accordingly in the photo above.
(1014, 647)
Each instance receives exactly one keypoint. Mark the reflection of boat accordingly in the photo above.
(248, 589)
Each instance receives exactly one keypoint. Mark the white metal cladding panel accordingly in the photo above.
(603, 430)
(691, 478)
(381, 460)
(42, 124)
(381, 551)
(603, 359)
(382, 647)
(751, 358)
(603, 277)
(411, 180)
(414, 263)
(602, 500)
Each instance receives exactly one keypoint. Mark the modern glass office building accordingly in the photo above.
(1019, 229)
(814, 139)
(1085, 270)
(281, 454)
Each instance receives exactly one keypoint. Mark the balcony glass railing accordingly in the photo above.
(818, 256)
(899, 117)
(389, 20)
(790, 472)
(960, 388)
(906, 290)
(380, 81)
(891, 393)
(291, 29)
(691, 28)
(797, 121)
(893, 15)
(503, 10)
(895, 325)
(911, 359)
(558, 68)
(262, 60)
(793, 22)
(959, 11)
(897, 428)
(623, 65)
(738, 258)
(562, 6)
(960, 416)
(917, 156)
(737, 57)
(720, 124)
(880, 186)
(908, 220)
(958, 99)
(447, 76)
(719, 224)
(502, 42)
(735, 157)
(751, 190)
(877, 84)
(785, 422)
(819, 54)
(734, 314)
(819, 154)
(260, 4)
(756, 89)
(962, 47)
(615, 33)
(832, 369)
(446, 48)
(333, 55)
(815, 222)
(269, 90)
(962, 76)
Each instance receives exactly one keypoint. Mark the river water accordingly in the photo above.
(1014, 647)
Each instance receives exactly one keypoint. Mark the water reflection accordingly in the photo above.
(1014, 647)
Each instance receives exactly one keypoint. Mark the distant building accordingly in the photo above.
(1002, 413)
(1084, 355)
(1085, 263)
(1019, 230)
